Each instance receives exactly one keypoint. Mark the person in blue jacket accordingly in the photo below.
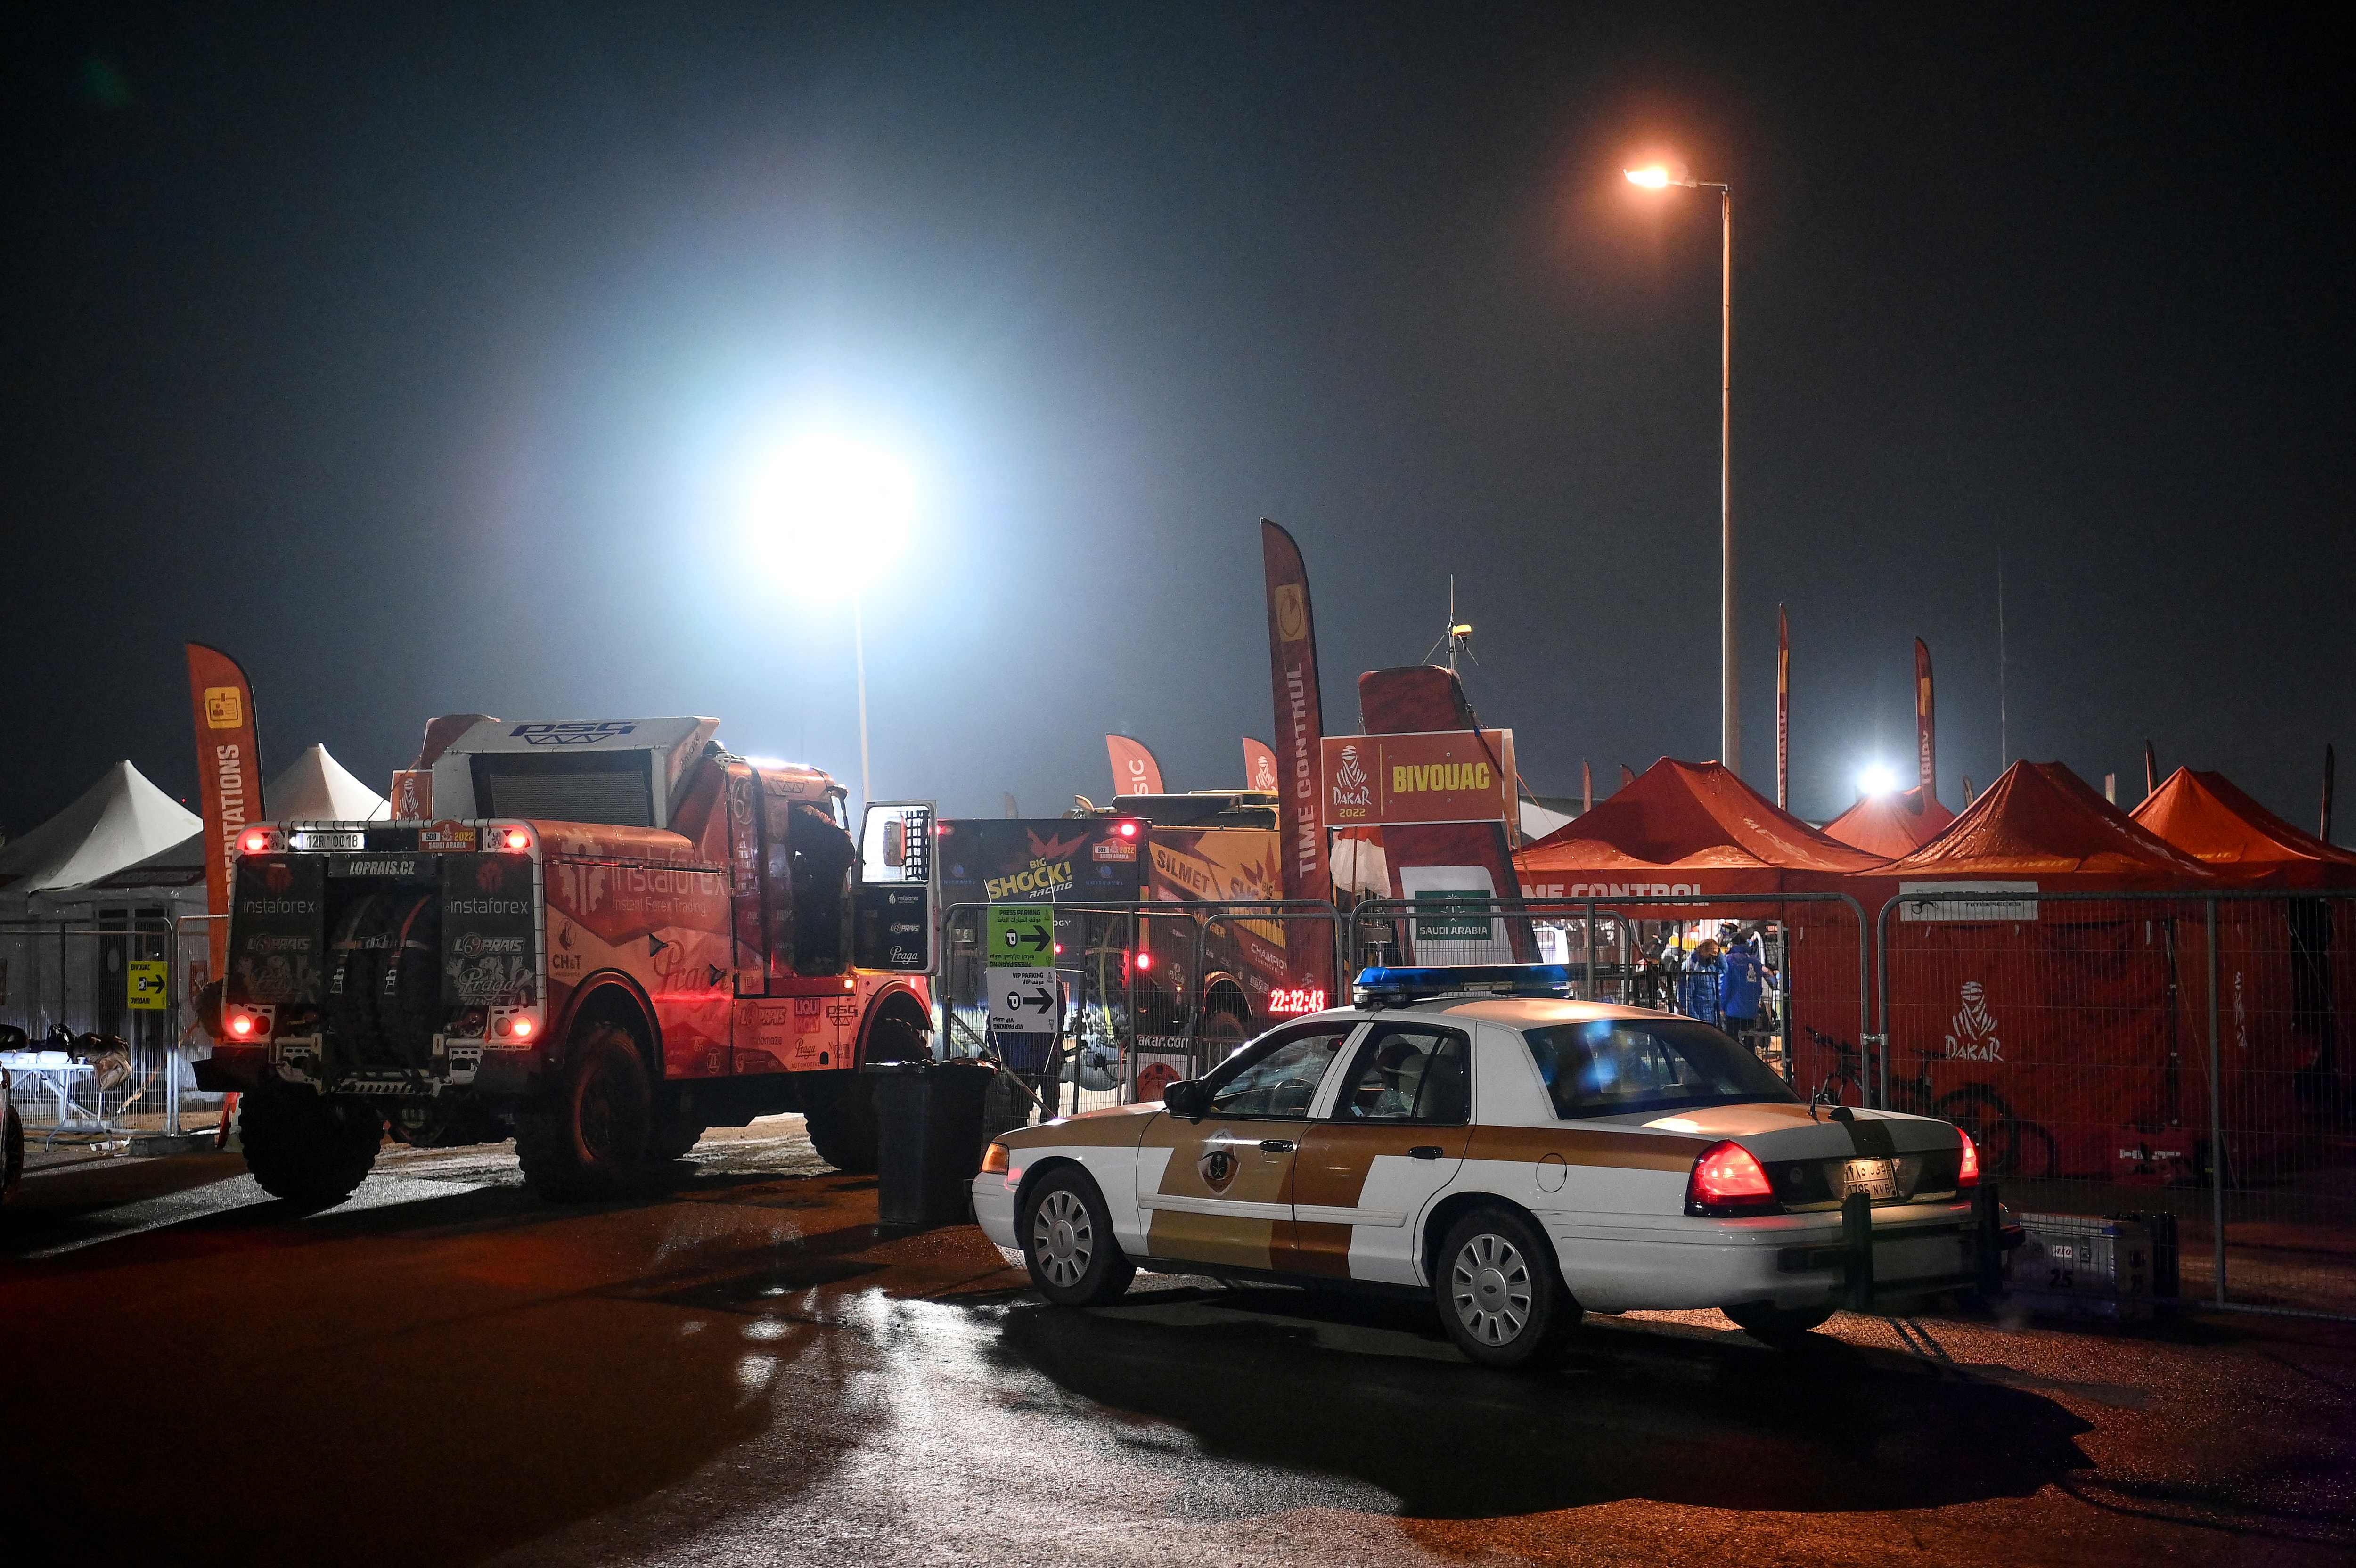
(1697, 987)
(1741, 983)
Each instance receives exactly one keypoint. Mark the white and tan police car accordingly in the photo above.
(1522, 1158)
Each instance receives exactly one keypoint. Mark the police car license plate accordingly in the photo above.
(1874, 1177)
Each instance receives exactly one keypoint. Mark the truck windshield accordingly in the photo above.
(1608, 1066)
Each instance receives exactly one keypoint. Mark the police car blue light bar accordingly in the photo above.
(1393, 987)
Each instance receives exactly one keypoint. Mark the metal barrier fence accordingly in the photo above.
(1630, 949)
(2122, 1054)
(1151, 992)
(94, 1062)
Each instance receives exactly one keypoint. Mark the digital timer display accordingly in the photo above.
(1285, 1003)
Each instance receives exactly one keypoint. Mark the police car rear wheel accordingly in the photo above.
(1780, 1326)
(1067, 1242)
(1498, 1294)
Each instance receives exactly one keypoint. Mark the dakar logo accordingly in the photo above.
(1972, 1035)
(1219, 1168)
(1292, 612)
(1351, 786)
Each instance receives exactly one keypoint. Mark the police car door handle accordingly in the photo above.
(1424, 1151)
(1276, 1146)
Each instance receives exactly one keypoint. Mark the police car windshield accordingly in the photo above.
(1609, 1067)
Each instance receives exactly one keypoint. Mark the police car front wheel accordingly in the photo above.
(1498, 1293)
(1066, 1234)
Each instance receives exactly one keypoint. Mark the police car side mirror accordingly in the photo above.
(1187, 1097)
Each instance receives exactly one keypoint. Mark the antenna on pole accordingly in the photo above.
(1457, 639)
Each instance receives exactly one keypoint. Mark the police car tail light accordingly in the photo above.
(1729, 1179)
(1968, 1173)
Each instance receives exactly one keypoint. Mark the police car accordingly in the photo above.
(1522, 1158)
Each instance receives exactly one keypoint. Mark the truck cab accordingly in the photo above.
(599, 937)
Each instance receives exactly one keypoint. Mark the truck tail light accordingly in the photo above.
(241, 1026)
(1128, 828)
(1144, 959)
(1729, 1179)
(249, 1024)
(514, 838)
(254, 841)
(1968, 1173)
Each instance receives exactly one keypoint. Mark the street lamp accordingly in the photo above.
(1660, 176)
(832, 515)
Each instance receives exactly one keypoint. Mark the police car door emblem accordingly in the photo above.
(1218, 1164)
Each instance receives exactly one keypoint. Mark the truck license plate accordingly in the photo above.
(316, 840)
(1874, 1177)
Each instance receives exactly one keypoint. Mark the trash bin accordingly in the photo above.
(929, 1117)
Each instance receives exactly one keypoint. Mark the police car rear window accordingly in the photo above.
(1608, 1066)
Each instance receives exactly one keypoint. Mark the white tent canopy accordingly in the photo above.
(318, 788)
(314, 788)
(121, 819)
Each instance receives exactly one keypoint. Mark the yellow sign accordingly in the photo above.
(224, 707)
(149, 979)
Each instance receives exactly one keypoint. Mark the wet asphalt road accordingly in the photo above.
(731, 1368)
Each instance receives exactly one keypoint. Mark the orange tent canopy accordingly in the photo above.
(1891, 825)
(2208, 817)
(1694, 826)
(2042, 823)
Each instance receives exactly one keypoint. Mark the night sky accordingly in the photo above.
(412, 357)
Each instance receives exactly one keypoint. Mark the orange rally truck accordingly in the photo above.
(598, 938)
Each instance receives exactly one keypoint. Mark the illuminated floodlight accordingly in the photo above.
(829, 513)
(1876, 778)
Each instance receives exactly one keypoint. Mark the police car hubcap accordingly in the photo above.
(1062, 1238)
(1490, 1286)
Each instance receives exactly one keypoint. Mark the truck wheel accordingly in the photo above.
(840, 1107)
(1499, 1294)
(307, 1149)
(11, 1152)
(1780, 1326)
(1066, 1235)
(592, 1136)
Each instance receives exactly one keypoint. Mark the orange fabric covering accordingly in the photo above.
(2205, 815)
(1891, 825)
(1695, 825)
(2041, 822)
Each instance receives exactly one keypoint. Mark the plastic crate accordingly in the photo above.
(2118, 1268)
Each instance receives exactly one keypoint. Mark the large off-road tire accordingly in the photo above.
(1067, 1242)
(1781, 1326)
(12, 1151)
(589, 1137)
(409, 983)
(840, 1107)
(307, 1149)
(1499, 1294)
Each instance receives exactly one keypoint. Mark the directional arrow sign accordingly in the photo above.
(1025, 1001)
(1022, 936)
(146, 981)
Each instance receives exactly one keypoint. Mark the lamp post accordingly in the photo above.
(1659, 176)
(832, 515)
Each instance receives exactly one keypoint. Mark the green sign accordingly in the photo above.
(1454, 914)
(1022, 936)
(149, 979)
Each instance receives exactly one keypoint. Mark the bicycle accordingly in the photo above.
(2001, 1133)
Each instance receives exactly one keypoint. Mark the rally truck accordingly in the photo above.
(598, 938)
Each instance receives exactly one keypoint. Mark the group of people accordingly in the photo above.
(1724, 980)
